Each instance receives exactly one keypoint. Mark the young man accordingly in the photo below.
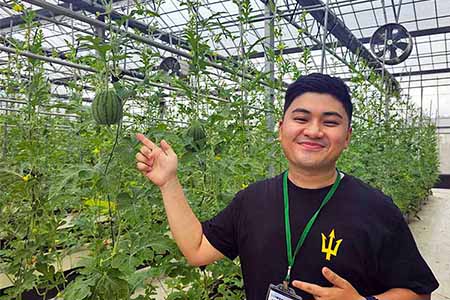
(323, 234)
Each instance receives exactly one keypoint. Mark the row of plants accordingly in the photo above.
(55, 167)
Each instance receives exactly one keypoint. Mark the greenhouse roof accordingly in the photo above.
(425, 74)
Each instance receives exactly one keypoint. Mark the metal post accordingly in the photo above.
(243, 66)
(386, 103)
(437, 94)
(269, 68)
(5, 141)
(431, 107)
(408, 98)
(421, 105)
(384, 11)
(80, 120)
(324, 37)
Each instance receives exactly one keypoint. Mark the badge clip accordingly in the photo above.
(278, 292)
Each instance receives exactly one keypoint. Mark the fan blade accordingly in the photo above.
(379, 54)
(378, 39)
(393, 53)
(399, 35)
(388, 32)
(401, 45)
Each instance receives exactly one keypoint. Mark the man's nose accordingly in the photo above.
(313, 130)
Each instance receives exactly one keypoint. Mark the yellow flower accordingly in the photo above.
(26, 178)
(218, 157)
(244, 186)
(96, 151)
(17, 7)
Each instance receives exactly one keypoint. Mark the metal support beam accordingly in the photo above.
(149, 41)
(5, 141)
(347, 58)
(48, 59)
(92, 70)
(168, 38)
(324, 38)
(42, 112)
(18, 20)
(96, 23)
(43, 14)
(93, 8)
(418, 33)
(338, 29)
(364, 40)
(269, 68)
(422, 72)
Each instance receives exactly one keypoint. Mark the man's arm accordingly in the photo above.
(159, 165)
(185, 227)
(401, 294)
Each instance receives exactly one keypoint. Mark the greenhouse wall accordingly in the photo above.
(444, 145)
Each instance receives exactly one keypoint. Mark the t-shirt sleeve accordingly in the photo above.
(222, 230)
(401, 264)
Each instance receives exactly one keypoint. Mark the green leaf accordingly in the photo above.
(78, 289)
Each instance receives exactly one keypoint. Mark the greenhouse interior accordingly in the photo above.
(79, 217)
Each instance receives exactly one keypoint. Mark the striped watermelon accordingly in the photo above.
(107, 107)
(196, 133)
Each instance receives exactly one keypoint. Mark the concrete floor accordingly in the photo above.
(432, 234)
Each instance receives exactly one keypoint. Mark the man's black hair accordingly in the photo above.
(323, 84)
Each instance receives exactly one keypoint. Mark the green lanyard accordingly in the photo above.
(308, 226)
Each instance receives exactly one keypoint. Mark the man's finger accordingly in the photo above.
(145, 151)
(167, 148)
(141, 158)
(334, 278)
(143, 167)
(313, 289)
(141, 138)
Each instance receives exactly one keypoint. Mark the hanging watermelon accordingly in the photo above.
(107, 107)
(196, 133)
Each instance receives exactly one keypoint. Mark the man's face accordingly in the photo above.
(314, 131)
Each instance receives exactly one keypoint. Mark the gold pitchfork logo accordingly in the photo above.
(329, 251)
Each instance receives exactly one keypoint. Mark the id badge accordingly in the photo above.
(278, 292)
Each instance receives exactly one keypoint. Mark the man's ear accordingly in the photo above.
(280, 128)
(348, 137)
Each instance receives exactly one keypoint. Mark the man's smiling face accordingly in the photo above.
(314, 131)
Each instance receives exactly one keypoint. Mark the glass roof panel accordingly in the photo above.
(445, 21)
(431, 52)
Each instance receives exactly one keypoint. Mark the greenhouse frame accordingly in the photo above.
(77, 219)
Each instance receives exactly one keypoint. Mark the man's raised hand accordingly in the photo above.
(158, 164)
(341, 290)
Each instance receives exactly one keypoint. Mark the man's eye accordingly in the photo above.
(300, 119)
(331, 123)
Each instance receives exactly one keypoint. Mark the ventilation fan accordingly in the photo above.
(173, 66)
(391, 44)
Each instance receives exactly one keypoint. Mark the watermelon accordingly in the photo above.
(196, 133)
(107, 107)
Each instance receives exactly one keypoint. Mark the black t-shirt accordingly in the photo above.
(377, 251)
